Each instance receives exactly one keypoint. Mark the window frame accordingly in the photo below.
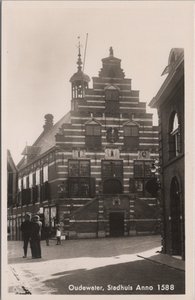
(79, 162)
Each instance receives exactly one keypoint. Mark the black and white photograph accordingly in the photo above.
(97, 123)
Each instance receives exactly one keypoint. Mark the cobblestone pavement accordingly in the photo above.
(129, 265)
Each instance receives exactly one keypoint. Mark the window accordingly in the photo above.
(142, 169)
(112, 168)
(45, 173)
(19, 184)
(79, 187)
(131, 136)
(112, 94)
(37, 176)
(30, 180)
(24, 182)
(80, 184)
(93, 136)
(174, 136)
(142, 174)
(111, 101)
(79, 168)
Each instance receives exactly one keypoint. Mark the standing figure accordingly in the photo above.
(47, 233)
(36, 237)
(26, 228)
(58, 235)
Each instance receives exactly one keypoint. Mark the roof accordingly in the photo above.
(45, 141)
(80, 76)
(10, 162)
(175, 71)
(111, 59)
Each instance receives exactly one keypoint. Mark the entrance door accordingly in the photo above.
(116, 224)
(175, 217)
(112, 186)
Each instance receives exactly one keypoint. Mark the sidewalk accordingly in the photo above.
(164, 259)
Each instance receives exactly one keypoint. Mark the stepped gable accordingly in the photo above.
(111, 67)
(46, 140)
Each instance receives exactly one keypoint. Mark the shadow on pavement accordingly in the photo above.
(121, 278)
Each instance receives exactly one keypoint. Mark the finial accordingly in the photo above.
(111, 51)
(79, 61)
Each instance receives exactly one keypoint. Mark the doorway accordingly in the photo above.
(116, 221)
(175, 217)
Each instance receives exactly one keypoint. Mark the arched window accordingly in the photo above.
(131, 135)
(174, 136)
(93, 135)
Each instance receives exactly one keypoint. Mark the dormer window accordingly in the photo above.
(131, 135)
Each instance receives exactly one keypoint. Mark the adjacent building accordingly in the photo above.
(169, 102)
(89, 170)
(12, 177)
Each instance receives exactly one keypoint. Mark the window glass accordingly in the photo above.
(174, 137)
(45, 173)
(24, 182)
(175, 123)
(79, 168)
(30, 180)
(142, 169)
(147, 169)
(138, 169)
(19, 184)
(73, 168)
(37, 176)
(84, 168)
(112, 168)
(131, 131)
(93, 130)
(112, 94)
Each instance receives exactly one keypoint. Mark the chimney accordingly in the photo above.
(48, 122)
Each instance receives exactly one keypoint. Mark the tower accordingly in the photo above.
(79, 82)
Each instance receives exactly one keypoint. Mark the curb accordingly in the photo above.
(19, 288)
(161, 263)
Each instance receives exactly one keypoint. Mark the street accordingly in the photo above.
(128, 265)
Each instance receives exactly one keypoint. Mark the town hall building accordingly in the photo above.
(91, 171)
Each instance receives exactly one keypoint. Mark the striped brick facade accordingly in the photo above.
(105, 195)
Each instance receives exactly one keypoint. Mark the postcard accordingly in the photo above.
(97, 139)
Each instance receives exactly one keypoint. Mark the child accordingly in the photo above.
(47, 233)
(58, 235)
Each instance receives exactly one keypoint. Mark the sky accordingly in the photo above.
(39, 54)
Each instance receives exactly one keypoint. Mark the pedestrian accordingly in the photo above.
(36, 237)
(26, 228)
(58, 235)
(47, 233)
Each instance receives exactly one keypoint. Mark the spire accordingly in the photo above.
(79, 61)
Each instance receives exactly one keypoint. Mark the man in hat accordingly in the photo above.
(26, 228)
(36, 237)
